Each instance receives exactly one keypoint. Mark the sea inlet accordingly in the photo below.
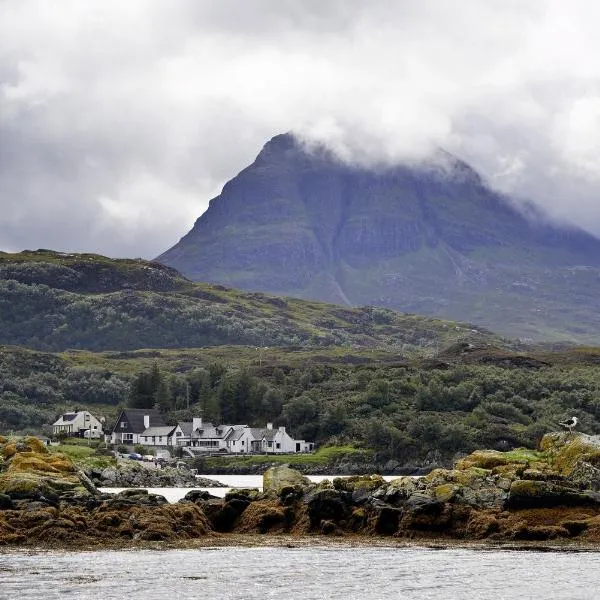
(303, 572)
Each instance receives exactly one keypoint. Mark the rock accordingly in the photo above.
(330, 505)
(6, 502)
(276, 478)
(488, 459)
(387, 519)
(368, 483)
(420, 503)
(539, 494)
(261, 517)
(567, 452)
(224, 515)
(197, 496)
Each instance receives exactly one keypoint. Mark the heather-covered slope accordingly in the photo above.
(54, 301)
(429, 239)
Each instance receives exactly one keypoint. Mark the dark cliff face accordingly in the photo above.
(428, 238)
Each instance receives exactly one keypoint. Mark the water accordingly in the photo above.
(303, 573)
(231, 481)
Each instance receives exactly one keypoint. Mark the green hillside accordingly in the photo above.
(54, 301)
(413, 412)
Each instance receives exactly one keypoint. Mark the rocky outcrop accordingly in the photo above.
(44, 499)
(128, 473)
(550, 494)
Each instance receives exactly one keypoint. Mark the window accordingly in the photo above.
(160, 438)
(242, 442)
(178, 433)
(270, 444)
(278, 445)
(123, 424)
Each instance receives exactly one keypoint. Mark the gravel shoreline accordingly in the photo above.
(228, 540)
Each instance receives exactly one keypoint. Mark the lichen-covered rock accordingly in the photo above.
(276, 478)
(537, 494)
(31, 472)
(574, 456)
(368, 483)
(129, 473)
(488, 459)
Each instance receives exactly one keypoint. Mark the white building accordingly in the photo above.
(265, 441)
(133, 422)
(78, 424)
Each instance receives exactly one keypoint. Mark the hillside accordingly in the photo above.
(55, 301)
(412, 412)
(430, 239)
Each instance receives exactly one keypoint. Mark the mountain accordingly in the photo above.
(55, 301)
(429, 238)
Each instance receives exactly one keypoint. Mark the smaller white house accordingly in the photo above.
(78, 424)
(157, 436)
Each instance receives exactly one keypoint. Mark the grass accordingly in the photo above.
(82, 455)
(74, 452)
(322, 457)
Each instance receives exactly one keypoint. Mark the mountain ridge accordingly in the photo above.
(429, 238)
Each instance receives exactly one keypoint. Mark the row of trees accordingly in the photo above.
(404, 413)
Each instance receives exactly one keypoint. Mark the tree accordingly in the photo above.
(163, 398)
(141, 394)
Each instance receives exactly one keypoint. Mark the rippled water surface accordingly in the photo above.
(300, 573)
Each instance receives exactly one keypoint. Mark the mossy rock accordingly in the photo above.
(30, 461)
(359, 482)
(527, 493)
(275, 478)
(261, 517)
(472, 476)
(445, 492)
(488, 459)
(566, 451)
(9, 450)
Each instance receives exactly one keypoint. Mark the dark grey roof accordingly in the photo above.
(135, 419)
(165, 431)
(186, 428)
(235, 434)
(269, 434)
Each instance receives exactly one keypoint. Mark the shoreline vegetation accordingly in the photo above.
(547, 499)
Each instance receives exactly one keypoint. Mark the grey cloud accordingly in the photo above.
(120, 120)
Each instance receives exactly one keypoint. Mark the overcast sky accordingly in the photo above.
(120, 119)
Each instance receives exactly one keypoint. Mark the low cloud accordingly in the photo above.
(120, 120)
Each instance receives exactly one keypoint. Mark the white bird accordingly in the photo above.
(570, 423)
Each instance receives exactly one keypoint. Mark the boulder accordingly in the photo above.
(329, 505)
(574, 456)
(540, 494)
(276, 478)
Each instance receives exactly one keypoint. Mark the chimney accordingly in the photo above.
(196, 423)
(282, 429)
(146, 421)
(269, 425)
